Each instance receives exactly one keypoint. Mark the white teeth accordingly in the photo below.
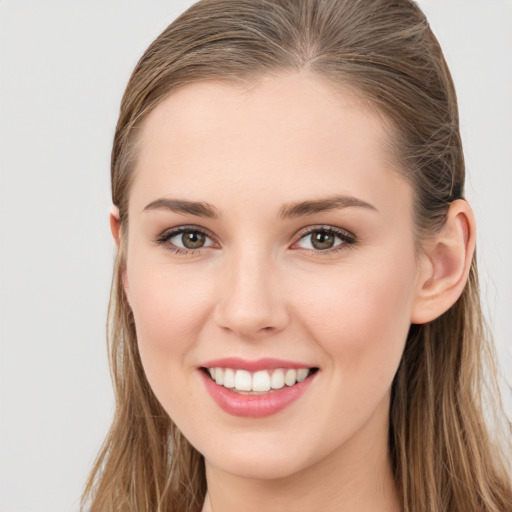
(291, 377)
(302, 373)
(229, 378)
(277, 380)
(219, 376)
(243, 380)
(260, 381)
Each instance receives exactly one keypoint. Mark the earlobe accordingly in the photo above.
(115, 225)
(446, 265)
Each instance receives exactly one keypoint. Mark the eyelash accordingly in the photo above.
(346, 238)
(164, 238)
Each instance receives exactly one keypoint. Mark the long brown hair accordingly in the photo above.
(442, 453)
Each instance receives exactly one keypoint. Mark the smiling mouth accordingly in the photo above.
(259, 382)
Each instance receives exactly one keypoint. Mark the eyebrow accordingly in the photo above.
(200, 209)
(304, 208)
(287, 211)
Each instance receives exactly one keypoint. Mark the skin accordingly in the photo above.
(259, 288)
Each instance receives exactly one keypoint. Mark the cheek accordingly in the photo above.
(170, 306)
(361, 319)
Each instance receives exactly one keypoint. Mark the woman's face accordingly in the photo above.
(270, 244)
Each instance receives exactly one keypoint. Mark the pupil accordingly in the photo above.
(192, 240)
(322, 240)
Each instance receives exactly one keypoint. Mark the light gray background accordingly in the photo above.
(64, 66)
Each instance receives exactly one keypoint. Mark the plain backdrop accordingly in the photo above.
(64, 65)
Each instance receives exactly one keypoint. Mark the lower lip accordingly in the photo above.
(255, 406)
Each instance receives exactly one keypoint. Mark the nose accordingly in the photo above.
(251, 299)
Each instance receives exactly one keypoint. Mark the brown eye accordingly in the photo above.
(193, 239)
(185, 239)
(322, 240)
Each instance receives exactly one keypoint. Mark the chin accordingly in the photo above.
(258, 467)
(268, 459)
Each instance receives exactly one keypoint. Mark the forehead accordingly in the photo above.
(284, 136)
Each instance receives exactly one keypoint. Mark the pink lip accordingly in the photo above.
(255, 406)
(267, 363)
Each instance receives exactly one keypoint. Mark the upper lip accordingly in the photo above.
(265, 363)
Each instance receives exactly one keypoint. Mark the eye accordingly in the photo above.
(185, 239)
(325, 239)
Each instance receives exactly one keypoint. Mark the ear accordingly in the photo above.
(114, 224)
(446, 261)
(115, 228)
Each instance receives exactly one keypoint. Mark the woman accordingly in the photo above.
(294, 320)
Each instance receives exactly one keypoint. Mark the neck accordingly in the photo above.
(356, 477)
